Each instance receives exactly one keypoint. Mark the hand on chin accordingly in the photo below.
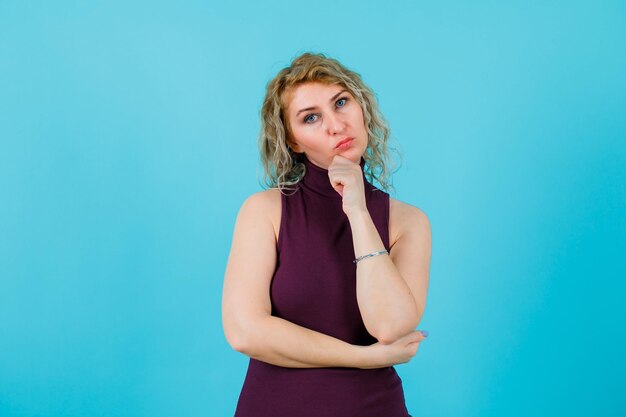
(346, 178)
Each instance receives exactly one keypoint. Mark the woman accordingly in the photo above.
(325, 283)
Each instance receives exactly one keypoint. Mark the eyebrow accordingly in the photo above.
(331, 99)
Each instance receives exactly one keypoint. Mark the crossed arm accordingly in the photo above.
(385, 296)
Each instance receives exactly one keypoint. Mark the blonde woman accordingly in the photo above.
(327, 276)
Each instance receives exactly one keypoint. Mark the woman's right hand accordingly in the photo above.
(380, 355)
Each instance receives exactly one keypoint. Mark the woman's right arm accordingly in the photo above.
(248, 324)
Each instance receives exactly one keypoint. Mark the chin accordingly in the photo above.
(353, 154)
(356, 160)
(357, 156)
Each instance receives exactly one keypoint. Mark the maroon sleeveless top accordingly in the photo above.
(314, 286)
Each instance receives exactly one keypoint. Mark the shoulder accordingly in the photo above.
(406, 218)
(263, 200)
(264, 206)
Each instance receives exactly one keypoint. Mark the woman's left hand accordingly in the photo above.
(346, 178)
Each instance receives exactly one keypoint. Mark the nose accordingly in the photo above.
(334, 123)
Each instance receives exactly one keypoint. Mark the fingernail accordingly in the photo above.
(424, 332)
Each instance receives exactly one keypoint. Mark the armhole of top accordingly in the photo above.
(281, 227)
(387, 214)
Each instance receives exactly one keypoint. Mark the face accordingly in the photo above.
(320, 117)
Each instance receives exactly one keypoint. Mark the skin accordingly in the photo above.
(334, 115)
(391, 289)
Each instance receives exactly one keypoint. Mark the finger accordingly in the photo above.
(413, 337)
(418, 336)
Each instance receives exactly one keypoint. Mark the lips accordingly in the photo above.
(343, 141)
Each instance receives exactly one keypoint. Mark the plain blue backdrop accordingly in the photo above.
(128, 142)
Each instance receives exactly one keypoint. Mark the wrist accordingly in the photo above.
(361, 357)
(365, 357)
(358, 215)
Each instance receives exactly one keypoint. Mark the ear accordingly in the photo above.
(295, 147)
(292, 144)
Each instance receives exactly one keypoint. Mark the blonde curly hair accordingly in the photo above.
(281, 165)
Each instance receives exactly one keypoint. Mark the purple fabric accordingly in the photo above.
(314, 286)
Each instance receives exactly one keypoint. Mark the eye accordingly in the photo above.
(307, 117)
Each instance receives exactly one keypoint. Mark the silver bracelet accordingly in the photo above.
(370, 255)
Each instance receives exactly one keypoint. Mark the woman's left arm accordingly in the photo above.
(391, 290)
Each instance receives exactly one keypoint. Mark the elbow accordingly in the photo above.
(239, 338)
(245, 338)
(391, 337)
(234, 338)
(238, 343)
(391, 334)
(387, 340)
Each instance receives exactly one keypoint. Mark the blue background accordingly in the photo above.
(128, 142)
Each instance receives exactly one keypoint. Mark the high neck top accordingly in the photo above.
(314, 286)
(316, 179)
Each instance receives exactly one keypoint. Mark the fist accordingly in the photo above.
(346, 177)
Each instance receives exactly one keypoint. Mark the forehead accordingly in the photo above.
(310, 94)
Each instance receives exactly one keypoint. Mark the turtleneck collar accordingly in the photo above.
(316, 179)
